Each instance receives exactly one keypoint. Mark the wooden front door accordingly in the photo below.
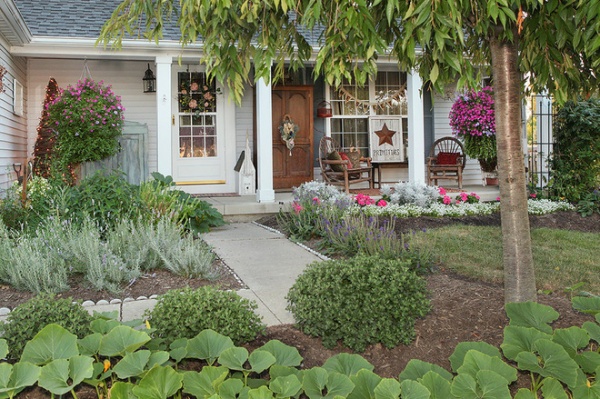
(295, 102)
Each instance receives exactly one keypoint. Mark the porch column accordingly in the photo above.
(264, 142)
(164, 115)
(416, 129)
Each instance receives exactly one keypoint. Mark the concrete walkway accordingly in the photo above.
(266, 262)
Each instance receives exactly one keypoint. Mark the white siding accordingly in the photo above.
(13, 128)
(441, 121)
(244, 118)
(125, 77)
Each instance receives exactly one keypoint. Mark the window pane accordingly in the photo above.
(350, 99)
(390, 93)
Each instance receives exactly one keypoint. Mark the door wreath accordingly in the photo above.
(288, 130)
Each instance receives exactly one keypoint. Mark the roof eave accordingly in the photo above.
(68, 47)
(12, 24)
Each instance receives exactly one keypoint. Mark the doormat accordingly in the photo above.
(215, 195)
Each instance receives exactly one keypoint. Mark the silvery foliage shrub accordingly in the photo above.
(412, 193)
(326, 193)
(88, 253)
(26, 264)
(163, 245)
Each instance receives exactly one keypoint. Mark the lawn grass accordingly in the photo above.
(562, 259)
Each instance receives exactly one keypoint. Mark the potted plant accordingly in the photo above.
(87, 119)
(472, 120)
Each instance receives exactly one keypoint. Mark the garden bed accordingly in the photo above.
(462, 309)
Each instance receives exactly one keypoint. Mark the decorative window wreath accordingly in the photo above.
(288, 130)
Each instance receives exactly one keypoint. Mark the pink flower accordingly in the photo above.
(533, 195)
(442, 191)
(297, 207)
(364, 200)
(382, 202)
(464, 197)
(316, 200)
(498, 199)
(447, 200)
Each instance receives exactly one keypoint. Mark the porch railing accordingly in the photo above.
(540, 142)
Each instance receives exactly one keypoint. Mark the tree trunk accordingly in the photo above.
(519, 276)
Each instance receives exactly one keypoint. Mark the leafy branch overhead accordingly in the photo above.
(443, 40)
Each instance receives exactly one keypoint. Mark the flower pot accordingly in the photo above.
(324, 110)
(491, 181)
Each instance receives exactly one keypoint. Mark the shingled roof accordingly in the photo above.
(85, 18)
(73, 18)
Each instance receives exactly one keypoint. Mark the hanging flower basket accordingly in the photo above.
(288, 130)
(324, 110)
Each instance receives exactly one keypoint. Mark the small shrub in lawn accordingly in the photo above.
(27, 319)
(184, 313)
(359, 301)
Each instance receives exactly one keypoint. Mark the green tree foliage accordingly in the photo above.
(557, 43)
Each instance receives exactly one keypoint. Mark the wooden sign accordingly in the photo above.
(386, 139)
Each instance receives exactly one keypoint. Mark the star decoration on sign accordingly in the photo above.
(385, 135)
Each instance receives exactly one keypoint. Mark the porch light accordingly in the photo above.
(149, 81)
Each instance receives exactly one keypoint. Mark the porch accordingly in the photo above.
(245, 208)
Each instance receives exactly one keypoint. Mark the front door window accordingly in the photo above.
(197, 115)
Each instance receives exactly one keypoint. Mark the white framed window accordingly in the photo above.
(18, 98)
(360, 111)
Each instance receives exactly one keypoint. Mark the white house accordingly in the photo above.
(190, 136)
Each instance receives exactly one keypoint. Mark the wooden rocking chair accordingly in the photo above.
(338, 170)
(446, 160)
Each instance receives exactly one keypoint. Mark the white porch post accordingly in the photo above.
(164, 115)
(264, 142)
(416, 129)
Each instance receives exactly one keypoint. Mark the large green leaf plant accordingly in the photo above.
(121, 361)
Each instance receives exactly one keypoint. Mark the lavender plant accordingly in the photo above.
(314, 202)
(92, 257)
(26, 265)
(368, 235)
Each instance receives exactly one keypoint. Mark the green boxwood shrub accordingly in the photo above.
(29, 318)
(360, 301)
(184, 313)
